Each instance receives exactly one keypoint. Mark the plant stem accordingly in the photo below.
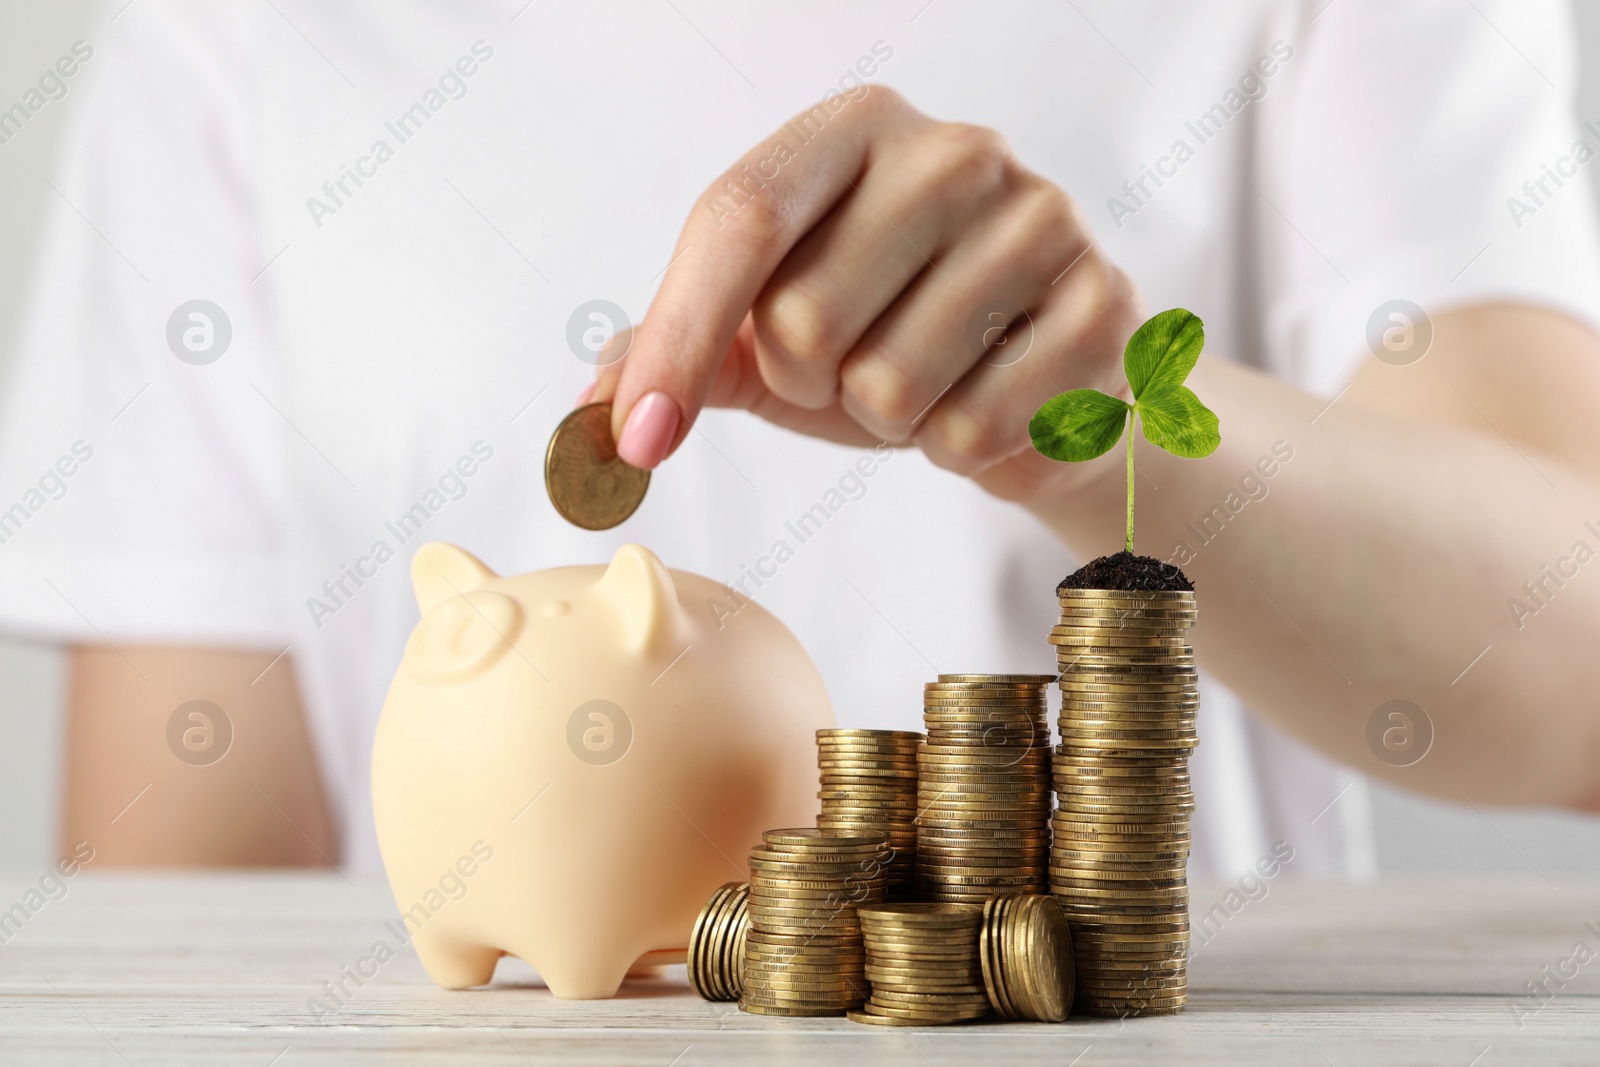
(1131, 414)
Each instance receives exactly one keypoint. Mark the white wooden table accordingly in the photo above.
(218, 969)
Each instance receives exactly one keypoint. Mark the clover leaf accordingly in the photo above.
(1081, 424)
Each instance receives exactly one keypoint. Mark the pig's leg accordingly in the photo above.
(578, 972)
(452, 963)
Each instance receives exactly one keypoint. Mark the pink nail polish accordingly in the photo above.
(583, 397)
(648, 433)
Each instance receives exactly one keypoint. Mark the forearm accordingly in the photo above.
(232, 787)
(1378, 565)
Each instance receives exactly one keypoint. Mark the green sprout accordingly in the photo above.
(1081, 424)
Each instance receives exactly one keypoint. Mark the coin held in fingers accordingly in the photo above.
(588, 483)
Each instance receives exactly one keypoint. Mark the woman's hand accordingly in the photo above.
(852, 277)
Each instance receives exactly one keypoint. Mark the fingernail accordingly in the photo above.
(583, 397)
(648, 433)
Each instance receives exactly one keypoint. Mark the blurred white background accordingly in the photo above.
(1417, 838)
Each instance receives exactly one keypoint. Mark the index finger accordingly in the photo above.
(737, 234)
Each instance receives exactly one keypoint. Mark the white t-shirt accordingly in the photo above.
(392, 333)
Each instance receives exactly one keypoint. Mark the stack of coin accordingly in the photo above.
(922, 961)
(869, 782)
(1119, 859)
(1026, 952)
(716, 945)
(803, 951)
(983, 788)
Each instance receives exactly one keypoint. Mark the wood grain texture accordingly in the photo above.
(227, 969)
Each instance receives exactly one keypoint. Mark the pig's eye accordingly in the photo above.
(557, 608)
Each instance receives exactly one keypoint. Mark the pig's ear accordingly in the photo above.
(462, 636)
(640, 592)
(440, 571)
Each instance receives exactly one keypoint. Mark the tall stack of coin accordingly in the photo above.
(869, 782)
(983, 787)
(716, 945)
(922, 961)
(1118, 863)
(803, 951)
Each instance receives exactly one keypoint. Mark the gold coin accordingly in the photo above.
(1150, 785)
(811, 837)
(779, 939)
(1132, 896)
(1097, 595)
(1014, 877)
(1043, 682)
(714, 974)
(856, 991)
(588, 483)
(885, 1020)
(1113, 642)
(1090, 802)
(786, 983)
(953, 980)
(923, 914)
(794, 1006)
(1122, 859)
(1088, 921)
(915, 949)
(918, 1018)
(822, 854)
(1174, 879)
(989, 955)
(840, 733)
(1124, 970)
(780, 883)
(764, 1009)
(932, 1013)
(1129, 618)
(869, 749)
(1034, 835)
(776, 976)
(1133, 824)
(837, 868)
(954, 997)
(1050, 966)
(1105, 715)
(998, 679)
(979, 851)
(768, 899)
(1021, 757)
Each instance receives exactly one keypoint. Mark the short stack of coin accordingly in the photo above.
(869, 782)
(716, 945)
(983, 787)
(922, 961)
(803, 951)
(1026, 951)
(1119, 858)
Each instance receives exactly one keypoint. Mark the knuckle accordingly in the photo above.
(889, 98)
(971, 159)
(882, 389)
(796, 325)
(961, 438)
(1051, 214)
(1052, 231)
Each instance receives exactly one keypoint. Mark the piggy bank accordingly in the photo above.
(569, 762)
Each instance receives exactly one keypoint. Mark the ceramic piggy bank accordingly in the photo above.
(569, 762)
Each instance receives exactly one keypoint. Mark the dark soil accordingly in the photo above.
(1125, 571)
